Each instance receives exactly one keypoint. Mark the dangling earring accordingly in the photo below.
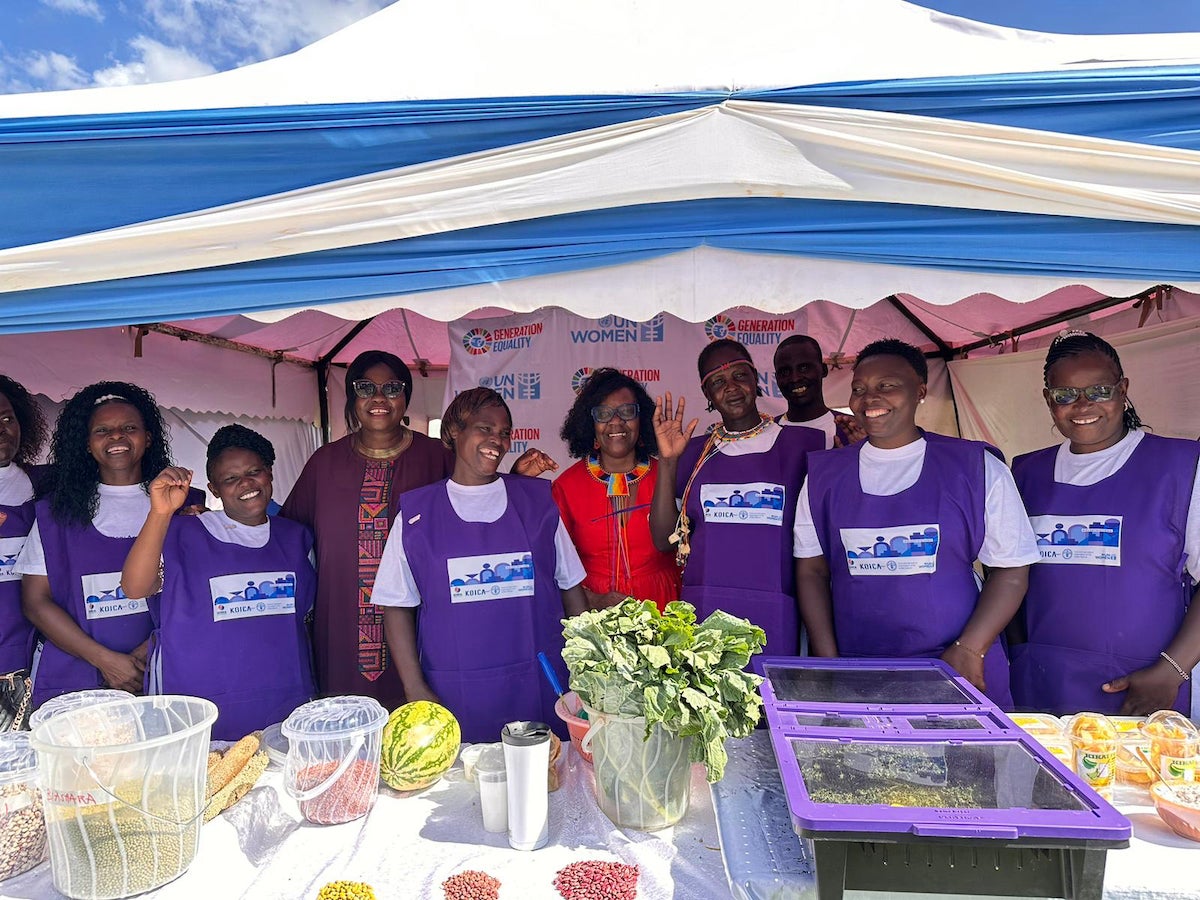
(595, 443)
(710, 407)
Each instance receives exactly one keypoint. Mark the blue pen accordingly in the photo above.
(552, 677)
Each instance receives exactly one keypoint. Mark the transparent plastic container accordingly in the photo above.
(641, 782)
(74, 700)
(276, 745)
(1038, 724)
(1174, 745)
(123, 792)
(1095, 741)
(22, 825)
(332, 765)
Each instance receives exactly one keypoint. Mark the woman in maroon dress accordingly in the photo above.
(348, 494)
(605, 497)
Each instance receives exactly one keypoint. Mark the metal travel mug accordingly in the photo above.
(526, 758)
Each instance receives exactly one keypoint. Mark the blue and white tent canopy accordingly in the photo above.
(613, 157)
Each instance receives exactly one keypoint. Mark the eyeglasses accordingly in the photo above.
(1097, 393)
(365, 389)
(627, 411)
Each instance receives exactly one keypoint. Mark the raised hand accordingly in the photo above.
(170, 489)
(533, 462)
(670, 432)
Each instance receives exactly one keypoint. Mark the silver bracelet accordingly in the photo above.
(1186, 676)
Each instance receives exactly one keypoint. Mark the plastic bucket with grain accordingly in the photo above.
(123, 791)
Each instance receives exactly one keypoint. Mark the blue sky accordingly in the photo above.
(66, 44)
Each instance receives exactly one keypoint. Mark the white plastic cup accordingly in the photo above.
(492, 778)
(526, 759)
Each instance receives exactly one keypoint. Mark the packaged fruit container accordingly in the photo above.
(1038, 724)
(1130, 768)
(1174, 745)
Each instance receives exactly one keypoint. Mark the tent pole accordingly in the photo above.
(943, 349)
(1062, 317)
(323, 401)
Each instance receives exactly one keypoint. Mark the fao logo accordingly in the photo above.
(477, 341)
(718, 327)
(579, 378)
(1067, 554)
(892, 565)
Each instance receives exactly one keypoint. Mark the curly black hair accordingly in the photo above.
(238, 437)
(368, 359)
(896, 347)
(73, 480)
(579, 429)
(29, 417)
(1076, 343)
(465, 405)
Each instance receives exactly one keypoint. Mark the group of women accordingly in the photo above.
(438, 577)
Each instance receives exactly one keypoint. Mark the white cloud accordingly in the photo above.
(241, 31)
(53, 71)
(89, 8)
(154, 61)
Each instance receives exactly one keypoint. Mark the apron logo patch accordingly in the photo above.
(10, 549)
(751, 503)
(104, 599)
(1078, 540)
(251, 594)
(490, 577)
(892, 549)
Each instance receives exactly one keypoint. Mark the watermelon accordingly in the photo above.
(420, 743)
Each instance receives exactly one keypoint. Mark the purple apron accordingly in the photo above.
(742, 509)
(84, 568)
(901, 566)
(16, 634)
(230, 624)
(489, 603)
(1111, 590)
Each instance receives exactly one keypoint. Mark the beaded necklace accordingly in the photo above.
(616, 483)
(720, 435)
(617, 488)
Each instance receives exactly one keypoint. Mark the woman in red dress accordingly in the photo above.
(605, 498)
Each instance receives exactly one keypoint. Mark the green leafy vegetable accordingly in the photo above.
(689, 678)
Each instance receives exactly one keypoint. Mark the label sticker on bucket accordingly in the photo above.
(75, 798)
(10, 803)
(104, 599)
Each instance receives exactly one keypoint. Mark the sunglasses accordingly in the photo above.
(1097, 393)
(365, 389)
(627, 411)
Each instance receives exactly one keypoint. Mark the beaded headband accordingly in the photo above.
(721, 368)
(107, 397)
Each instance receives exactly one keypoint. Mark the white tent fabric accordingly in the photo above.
(735, 149)
(999, 398)
(463, 48)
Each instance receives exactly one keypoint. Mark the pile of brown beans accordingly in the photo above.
(595, 879)
(22, 829)
(471, 885)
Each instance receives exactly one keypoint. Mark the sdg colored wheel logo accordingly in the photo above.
(718, 327)
(477, 341)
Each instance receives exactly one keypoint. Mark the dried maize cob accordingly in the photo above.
(241, 784)
(231, 763)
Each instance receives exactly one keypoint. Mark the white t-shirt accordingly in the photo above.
(227, 531)
(121, 512)
(1008, 538)
(394, 582)
(825, 423)
(1082, 469)
(15, 486)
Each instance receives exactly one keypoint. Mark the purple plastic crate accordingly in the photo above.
(866, 686)
(844, 722)
(915, 787)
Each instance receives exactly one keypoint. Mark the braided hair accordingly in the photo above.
(1077, 343)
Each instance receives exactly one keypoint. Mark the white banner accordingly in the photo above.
(537, 362)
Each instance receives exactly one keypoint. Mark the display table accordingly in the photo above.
(409, 845)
